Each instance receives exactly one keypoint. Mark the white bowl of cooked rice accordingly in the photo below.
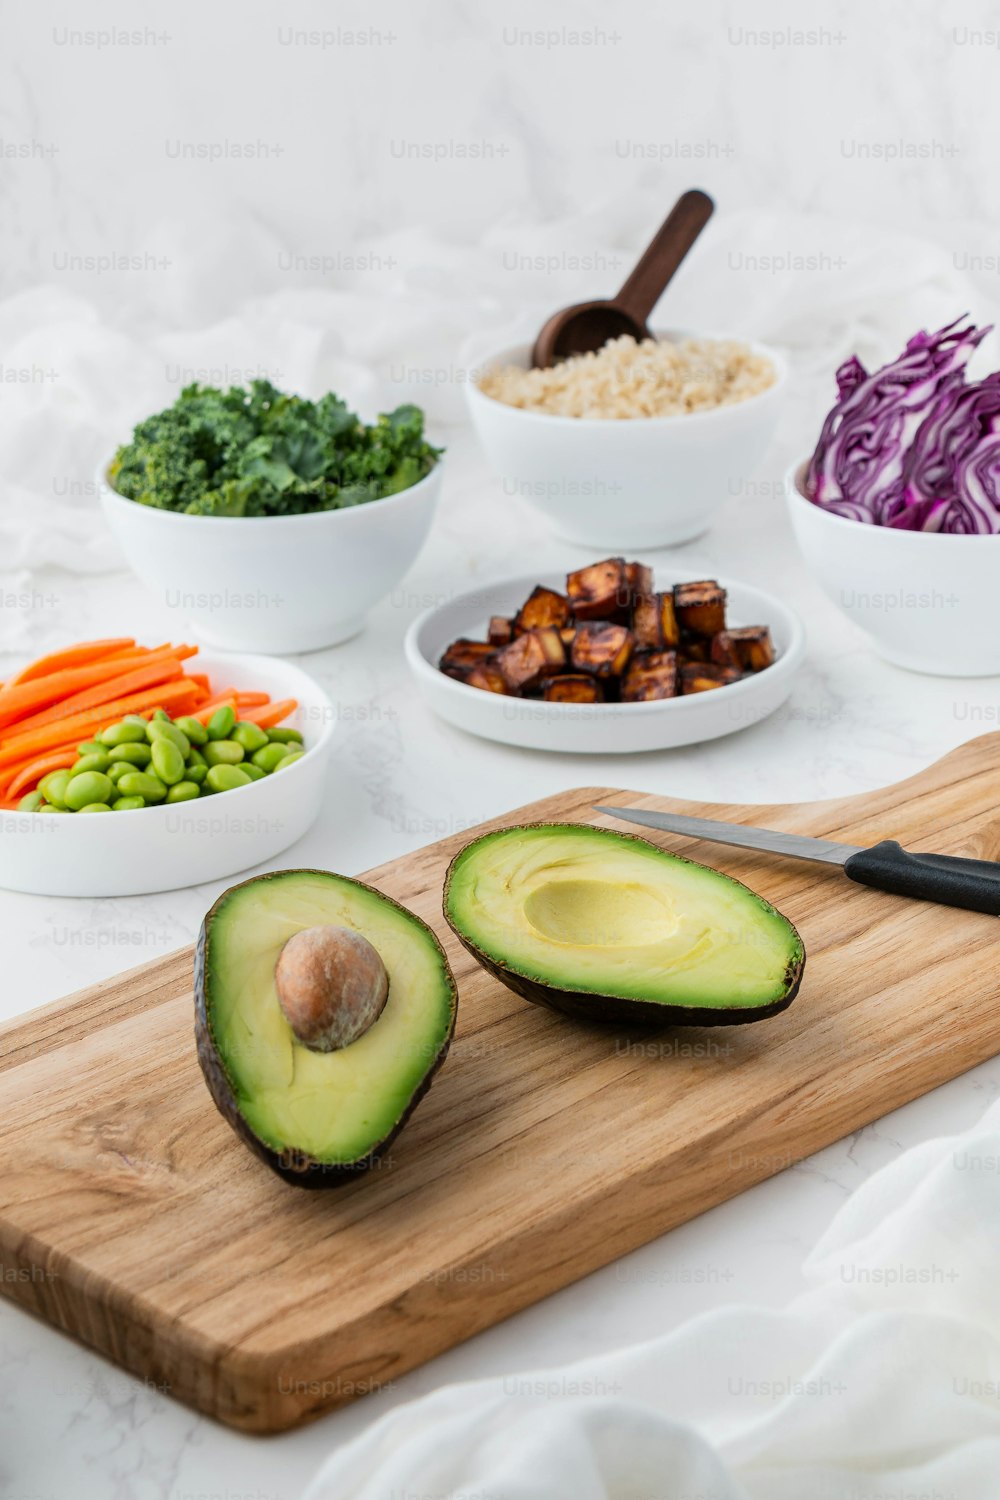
(638, 445)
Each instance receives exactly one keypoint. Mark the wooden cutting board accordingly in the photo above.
(131, 1217)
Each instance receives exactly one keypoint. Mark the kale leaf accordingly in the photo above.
(259, 452)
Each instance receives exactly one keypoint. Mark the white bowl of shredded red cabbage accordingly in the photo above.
(915, 445)
(912, 453)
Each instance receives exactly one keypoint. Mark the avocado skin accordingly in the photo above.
(585, 1005)
(622, 1010)
(300, 1169)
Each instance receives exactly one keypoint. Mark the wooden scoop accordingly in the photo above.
(589, 325)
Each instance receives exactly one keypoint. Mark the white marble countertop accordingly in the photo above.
(71, 1424)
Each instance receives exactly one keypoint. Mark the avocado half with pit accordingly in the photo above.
(607, 926)
(323, 1009)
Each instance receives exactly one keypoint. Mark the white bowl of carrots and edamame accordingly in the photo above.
(176, 838)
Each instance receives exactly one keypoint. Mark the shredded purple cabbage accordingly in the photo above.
(914, 446)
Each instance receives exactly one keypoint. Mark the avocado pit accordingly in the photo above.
(332, 986)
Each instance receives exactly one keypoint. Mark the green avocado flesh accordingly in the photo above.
(333, 1107)
(581, 918)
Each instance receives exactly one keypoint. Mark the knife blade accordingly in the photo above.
(795, 845)
(948, 879)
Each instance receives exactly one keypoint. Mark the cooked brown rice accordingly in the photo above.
(628, 379)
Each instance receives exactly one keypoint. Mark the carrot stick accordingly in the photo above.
(129, 677)
(205, 711)
(131, 680)
(201, 678)
(19, 702)
(28, 777)
(183, 702)
(69, 656)
(271, 714)
(9, 774)
(16, 748)
(252, 700)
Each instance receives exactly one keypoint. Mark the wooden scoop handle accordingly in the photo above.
(663, 255)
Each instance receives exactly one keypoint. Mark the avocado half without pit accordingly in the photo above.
(607, 926)
(323, 1009)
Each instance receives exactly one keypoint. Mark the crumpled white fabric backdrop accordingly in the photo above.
(74, 382)
(883, 1381)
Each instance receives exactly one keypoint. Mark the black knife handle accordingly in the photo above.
(970, 883)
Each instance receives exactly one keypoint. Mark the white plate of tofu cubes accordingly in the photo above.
(610, 659)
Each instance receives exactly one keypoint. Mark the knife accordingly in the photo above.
(947, 879)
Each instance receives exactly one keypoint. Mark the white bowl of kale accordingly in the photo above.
(270, 522)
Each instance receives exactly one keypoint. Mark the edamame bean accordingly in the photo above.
(250, 736)
(193, 728)
(289, 760)
(89, 786)
(220, 725)
(135, 762)
(168, 762)
(142, 784)
(96, 762)
(134, 754)
(160, 731)
(223, 753)
(183, 791)
(53, 787)
(269, 757)
(226, 778)
(125, 732)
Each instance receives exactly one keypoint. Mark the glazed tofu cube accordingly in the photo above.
(697, 677)
(654, 622)
(487, 676)
(749, 648)
(599, 592)
(573, 687)
(701, 607)
(551, 645)
(695, 648)
(529, 658)
(602, 650)
(638, 580)
(501, 630)
(462, 655)
(646, 623)
(544, 607)
(652, 675)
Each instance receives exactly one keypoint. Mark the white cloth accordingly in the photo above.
(879, 1383)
